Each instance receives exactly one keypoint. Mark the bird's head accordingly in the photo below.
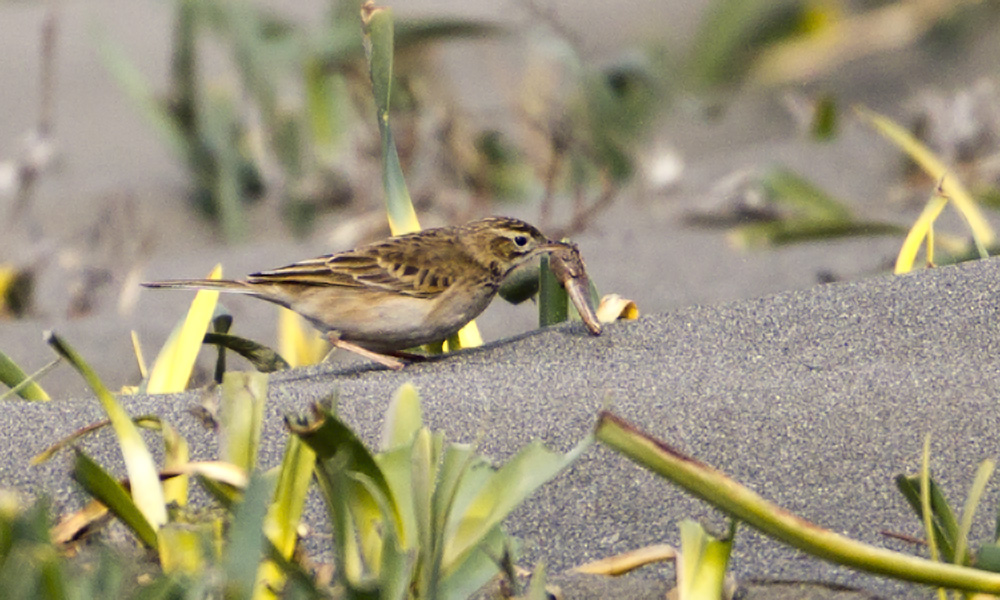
(503, 243)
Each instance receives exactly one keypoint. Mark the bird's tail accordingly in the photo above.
(223, 285)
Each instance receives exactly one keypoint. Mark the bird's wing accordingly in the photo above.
(390, 265)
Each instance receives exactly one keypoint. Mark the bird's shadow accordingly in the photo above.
(354, 370)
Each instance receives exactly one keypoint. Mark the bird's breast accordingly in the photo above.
(384, 322)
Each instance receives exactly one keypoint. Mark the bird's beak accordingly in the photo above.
(567, 265)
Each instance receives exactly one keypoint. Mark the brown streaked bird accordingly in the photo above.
(398, 293)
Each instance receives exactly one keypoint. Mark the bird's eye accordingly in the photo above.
(521, 240)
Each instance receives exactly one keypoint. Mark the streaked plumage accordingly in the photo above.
(400, 292)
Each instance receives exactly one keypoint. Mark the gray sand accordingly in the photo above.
(815, 399)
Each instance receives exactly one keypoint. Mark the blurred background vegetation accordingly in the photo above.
(269, 114)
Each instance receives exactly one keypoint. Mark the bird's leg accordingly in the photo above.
(382, 359)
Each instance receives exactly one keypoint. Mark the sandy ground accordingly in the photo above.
(814, 398)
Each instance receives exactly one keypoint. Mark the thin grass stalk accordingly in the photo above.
(745, 505)
(142, 472)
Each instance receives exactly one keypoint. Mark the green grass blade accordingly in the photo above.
(140, 92)
(147, 421)
(553, 302)
(241, 417)
(747, 506)
(262, 358)
(13, 377)
(779, 233)
(920, 231)
(703, 564)
(988, 557)
(378, 32)
(246, 539)
(188, 547)
(403, 418)
(423, 474)
(219, 124)
(176, 454)
(331, 439)
(812, 203)
(972, 500)
(142, 471)
(285, 511)
(175, 362)
(982, 232)
(925, 505)
(112, 494)
(944, 524)
(507, 488)
(377, 26)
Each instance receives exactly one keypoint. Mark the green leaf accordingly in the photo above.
(403, 418)
(176, 455)
(220, 472)
(188, 547)
(285, 512)
(533, 466)
(246, 539)
(142, 471)
(703, 568)
(747, 506)
(972, 500)
(378, 31)
(475, 569)
(342, 462)
(824, 123)
(553, 303)
(780, 233)
(988, 557)
(140, 92)
(415, 32)
(105, 488)
(327, 108)
(539, 579)
(13, 377)
(241, 417)
(943, 519)
(263, 359)
(424, 469)
(810, 202)
(732, 32)
(330, 437)
(521, 285)
(220, 123)
(175, 362)
(396, 466)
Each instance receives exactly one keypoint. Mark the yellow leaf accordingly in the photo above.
(620, 564)
(921, 229)
(7, 275)
(614, 307)
(468, 337)
(137, 348)
(172, 367)
(298, 343)
(951, 187)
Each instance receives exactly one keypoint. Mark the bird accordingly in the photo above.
(383, 298)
